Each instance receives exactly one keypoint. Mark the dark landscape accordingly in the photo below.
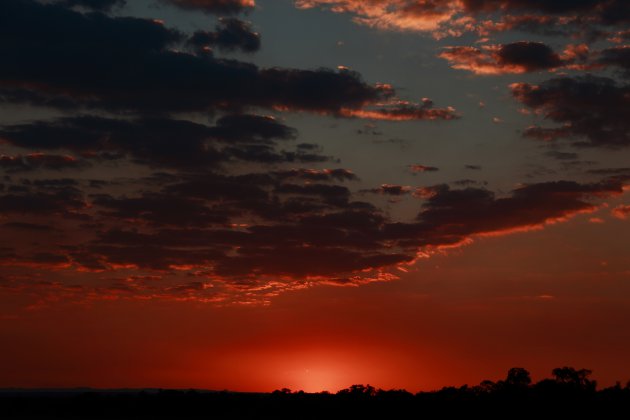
(569, 393)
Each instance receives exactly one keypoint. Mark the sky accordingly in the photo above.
(310, 194)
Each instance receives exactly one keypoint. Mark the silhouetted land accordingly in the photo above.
(569, 394)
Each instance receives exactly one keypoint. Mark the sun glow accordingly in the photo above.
(317, 371)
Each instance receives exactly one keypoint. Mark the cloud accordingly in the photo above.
(100, 5)
(605, 12)
(473, 167)
(621, 212)
(514, 58)
(391, 189)
(452, 217)
(245, 233)
(160, 142)
(556, 154)
(221, 7)
(616, 172)
(392, 14)
(39, 161)
(121, 63)
(131, 64)
(62, 201)
(317, 175)
(230, 207)
(341, 242)
(162, 210)
(402, 111)
(618, 57)
(422, 168)
(28, 226)
(230, 35)
(592, 110)
(456, 17)
(557, 7)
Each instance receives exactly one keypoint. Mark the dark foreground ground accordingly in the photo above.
(565, 397)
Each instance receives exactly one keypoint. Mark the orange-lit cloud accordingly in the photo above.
(514, 58)
(424, 15)
(402, 111)
(423, 168)
(455, 17)
(347, 243)
(621, 212)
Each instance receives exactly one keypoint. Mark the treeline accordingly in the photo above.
(568, 394)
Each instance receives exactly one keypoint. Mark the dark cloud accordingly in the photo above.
(332, 194)
(451, 216)
(468, 182)
(619, 36)
(221, 7)
(556, 6)
(231, 34)
(231, 202)
(593, 111)
(516, 57)
(473, 167)
(101, 5)
(582, 18)
(214, 187)
(121, 63)
(162, 210)
(623, 172)
(317, 175)
(39, 161)
(60, 201)
(454, 17)
(161, 141)
(618, 57)
(28, 226)
(531, 56)
(556, 154)
(391, 189)
(605, 12)
(337, 242)
(422, 168)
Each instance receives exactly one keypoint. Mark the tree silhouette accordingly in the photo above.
(518, 378)
(568, 394)
(359, 391)
(576, 379)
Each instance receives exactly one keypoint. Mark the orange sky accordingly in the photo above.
(458, 318)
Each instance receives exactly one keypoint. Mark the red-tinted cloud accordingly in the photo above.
(425, 15)
(455, 17)
(392, 189)
(402, 111)
(423, 168)
(233, 210)
(517, 57)
(337, 239)
(621, 212)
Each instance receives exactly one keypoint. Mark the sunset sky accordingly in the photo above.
(310, 194)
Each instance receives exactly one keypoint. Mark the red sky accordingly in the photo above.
(219, 195)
